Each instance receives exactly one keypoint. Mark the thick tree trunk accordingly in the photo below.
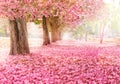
(46, 38)
(18, 37)
(55, 28)
(55, 34)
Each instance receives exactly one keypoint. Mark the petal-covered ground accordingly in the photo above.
(73, 63)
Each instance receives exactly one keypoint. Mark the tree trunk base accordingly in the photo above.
(55, 29)
(18, 37)
(46, 38)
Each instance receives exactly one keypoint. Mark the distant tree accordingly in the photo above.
(66, 12)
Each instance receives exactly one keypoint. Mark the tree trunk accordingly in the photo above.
(86, 36)
(46, 38)
(18, 37)
(55, 28)
(102, 34)
(6, 31)
(101, 39)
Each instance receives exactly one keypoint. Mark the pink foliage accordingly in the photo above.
(18, 8)
(67, 10)
(63, 64)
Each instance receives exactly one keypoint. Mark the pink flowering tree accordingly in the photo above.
(17, 12)
(66, 12)
(53, 12)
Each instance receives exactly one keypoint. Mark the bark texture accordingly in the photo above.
(55, 28)
(18, 37)
(46, 38)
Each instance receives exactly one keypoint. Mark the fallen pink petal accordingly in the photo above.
(61, 64)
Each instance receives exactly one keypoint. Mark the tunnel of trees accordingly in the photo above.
(57, 13)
